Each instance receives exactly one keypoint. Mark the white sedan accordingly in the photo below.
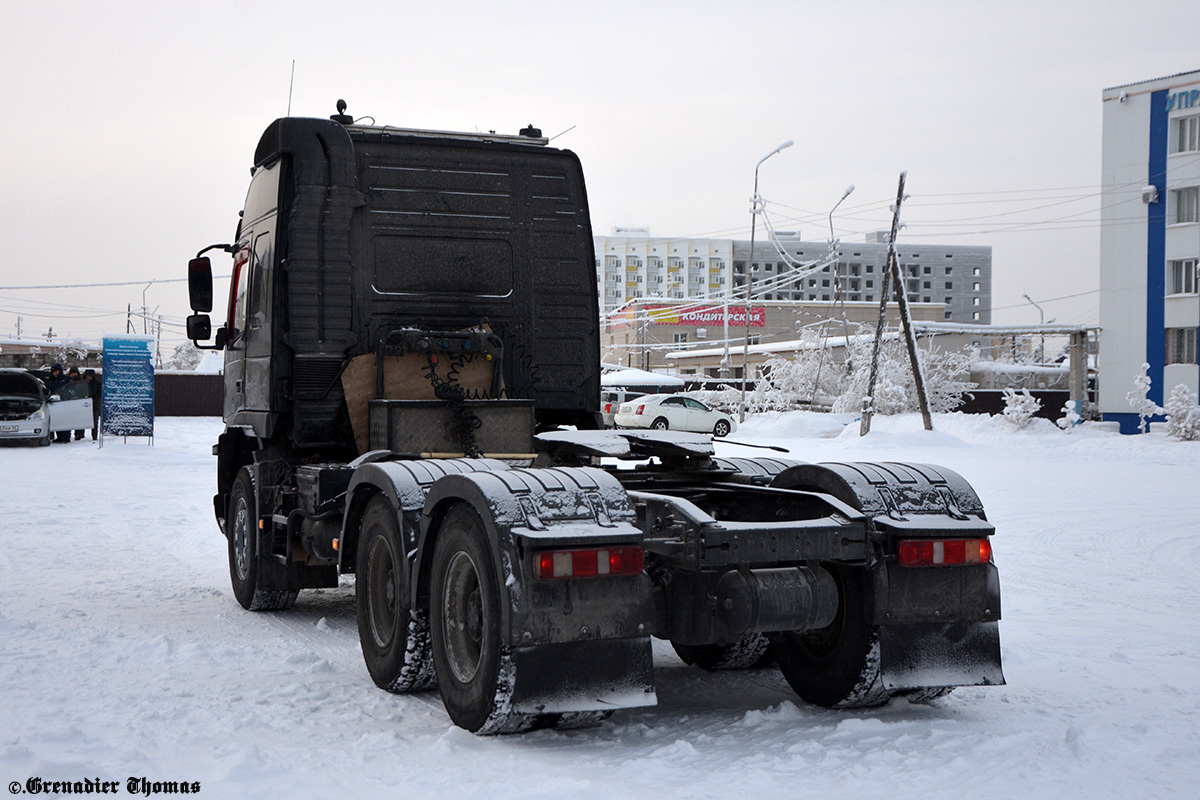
(674, 412)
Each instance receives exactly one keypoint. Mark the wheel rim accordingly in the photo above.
(659, 425)
(722, 429)
(381, 592)
(241, 540)
(463, 617)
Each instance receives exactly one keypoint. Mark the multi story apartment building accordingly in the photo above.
(632, 264)
(1149, 240)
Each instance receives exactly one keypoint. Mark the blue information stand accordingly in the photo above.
(128, 394)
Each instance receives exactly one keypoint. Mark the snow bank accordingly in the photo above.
(125, 654)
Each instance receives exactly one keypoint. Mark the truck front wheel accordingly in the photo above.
(475, 670)
(245, 566)
(837, 666)
(394, 637)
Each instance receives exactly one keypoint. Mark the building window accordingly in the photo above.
(1181, 345)
(1183, 276)
(947, 315)
(949, 300)
(949, 270)
(680, 340)
(974, 271)
(974, 301)
(926, 270)
(870, 285)
(1187, 134)
(975, 286)
(925, 300)
(825, 282)
(949, 284)
(975, 315)
(1187, 204)
(870, 298)
(925, 285)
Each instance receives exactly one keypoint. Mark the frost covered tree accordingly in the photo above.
(185, 356)
(946, 374)
(1143, 406)
(1183, 414)
(1019, 407)
(810, 377)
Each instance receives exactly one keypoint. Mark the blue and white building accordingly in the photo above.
(1149, 240)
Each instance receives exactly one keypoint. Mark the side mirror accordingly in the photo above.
(55, 398)
(199, 327)
(200, 290)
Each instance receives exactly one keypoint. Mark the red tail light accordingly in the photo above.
(608, 408)
(592, 563)
(638, 413)
(944, 552)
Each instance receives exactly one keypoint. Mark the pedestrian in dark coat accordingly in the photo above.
(95, 392)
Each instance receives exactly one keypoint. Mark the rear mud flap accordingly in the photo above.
(916, 656)
(583, 676)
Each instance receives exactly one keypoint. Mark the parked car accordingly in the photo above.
(611, 400)
(29, 413)
(673, 412)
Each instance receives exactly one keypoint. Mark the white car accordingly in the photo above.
(673, 412)
(29, 413)
(611, 400)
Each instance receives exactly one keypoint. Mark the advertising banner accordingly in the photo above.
(707, 315)
(128, 395)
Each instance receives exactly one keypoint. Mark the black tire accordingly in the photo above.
(838, 666)
(393, 636)
(721, 428)
(241, 527)
(747, 653)
(45, 440)
(475, 670)
(659, 424)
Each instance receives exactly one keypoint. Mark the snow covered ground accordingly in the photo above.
(123, 653)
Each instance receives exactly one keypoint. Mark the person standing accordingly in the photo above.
(95, 391)
(72, 376)
(56, 381)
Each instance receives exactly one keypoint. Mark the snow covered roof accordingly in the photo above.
(638, 377)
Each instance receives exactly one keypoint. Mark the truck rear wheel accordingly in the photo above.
(747, 653)
(245, 566)
(394, 637)
(475, 670)
(837, 666)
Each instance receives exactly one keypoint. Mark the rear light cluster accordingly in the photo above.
(638, 413)
(594, 563)
(944, 552)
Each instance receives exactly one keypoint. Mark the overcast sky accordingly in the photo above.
(129, 128)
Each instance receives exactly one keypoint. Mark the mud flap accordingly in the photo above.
(923, 655)
(596, 675)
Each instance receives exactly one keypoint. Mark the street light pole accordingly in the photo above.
(1042, 321)
(754, 209)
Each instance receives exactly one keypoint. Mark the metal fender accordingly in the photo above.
(579, 644)
(887, 487)
(404, 484)
(528, 509)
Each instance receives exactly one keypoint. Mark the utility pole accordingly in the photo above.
(892, 278)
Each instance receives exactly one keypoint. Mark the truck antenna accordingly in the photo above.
(291, 83)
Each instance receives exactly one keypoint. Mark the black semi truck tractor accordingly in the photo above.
(412, 388)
